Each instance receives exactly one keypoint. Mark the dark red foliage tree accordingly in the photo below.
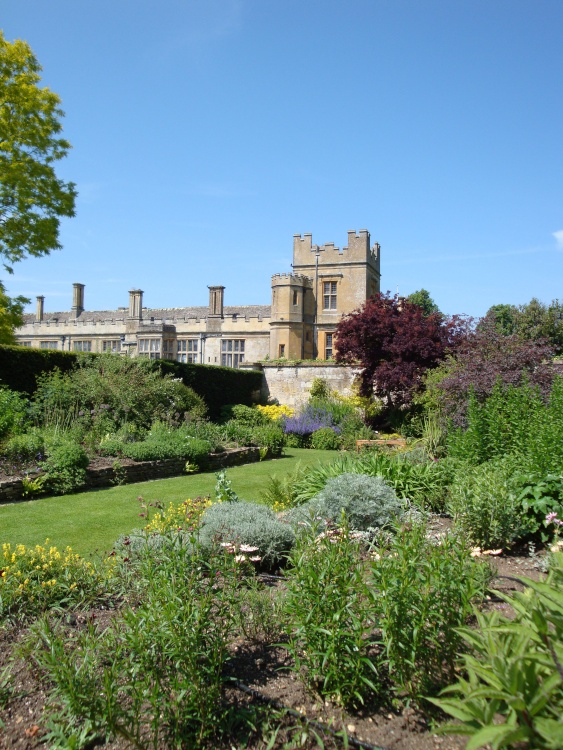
(486, 355)
(395, 343)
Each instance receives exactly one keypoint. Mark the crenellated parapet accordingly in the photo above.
(306, 255)
(292, 279)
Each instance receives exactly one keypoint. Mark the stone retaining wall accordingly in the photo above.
(291, 384)
(12, 491)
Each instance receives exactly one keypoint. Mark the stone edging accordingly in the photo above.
(11, 491)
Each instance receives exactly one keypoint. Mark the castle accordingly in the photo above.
(326, 283)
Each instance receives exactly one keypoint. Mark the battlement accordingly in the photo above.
(358, 249)
(289, 279)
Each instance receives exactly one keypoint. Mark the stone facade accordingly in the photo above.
(326, 283)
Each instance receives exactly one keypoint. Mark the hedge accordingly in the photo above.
(20, 367)
(217, 385)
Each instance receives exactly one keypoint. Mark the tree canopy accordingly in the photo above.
(532, 321)
(11, 310)
(32, 197)
(484, 357)
(423, 299)
(395, 343)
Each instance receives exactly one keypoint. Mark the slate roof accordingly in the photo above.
(170, 314)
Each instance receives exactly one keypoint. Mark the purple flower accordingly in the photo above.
(311, 420)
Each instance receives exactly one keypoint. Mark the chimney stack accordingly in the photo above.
(40, 309)
(77, 299)
(135, 304)
(216, 295)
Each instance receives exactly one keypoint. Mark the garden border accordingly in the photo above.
(11, 491)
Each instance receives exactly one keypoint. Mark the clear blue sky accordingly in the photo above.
(207, 132)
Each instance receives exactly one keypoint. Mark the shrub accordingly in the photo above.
(484, 503)
(111, 446)
(319, 388)
(13, 412)
(368, 502)
(513, 672)
(483, 358)
(425, 484)
(215, 384)
(422, 592)
(21, 367)
(297, 441)
(123, 389)
(271, 437)
(196, 451)
(510, 420)
(65, 467)
(538, 497)
(249, 416)
(338, 408)
(204, 430)
(325, 439)
(27, 447)
(236, 432)
(328, 617)
(248, 524)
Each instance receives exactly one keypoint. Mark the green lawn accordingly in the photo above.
(91, 521)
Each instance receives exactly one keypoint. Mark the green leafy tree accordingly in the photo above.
(503, 317)
(423, 299)
(32, 198)
(531, 322)
(11, 311)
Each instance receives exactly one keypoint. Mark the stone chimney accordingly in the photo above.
(135, 304)
(39, 310)
(77, 300)
(216, 295)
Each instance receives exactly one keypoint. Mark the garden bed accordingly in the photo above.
(105, 472)
(262, 681)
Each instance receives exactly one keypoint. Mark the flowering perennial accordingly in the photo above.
(34, 578)
(275, 412)
(184, 516)
(309, 421)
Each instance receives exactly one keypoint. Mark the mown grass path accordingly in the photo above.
(92, 521)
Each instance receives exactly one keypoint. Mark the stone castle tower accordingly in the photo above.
(326, 284)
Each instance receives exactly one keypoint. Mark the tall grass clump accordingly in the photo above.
(329, 617)
(515, 420)
(154, 677)
(421, 593)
